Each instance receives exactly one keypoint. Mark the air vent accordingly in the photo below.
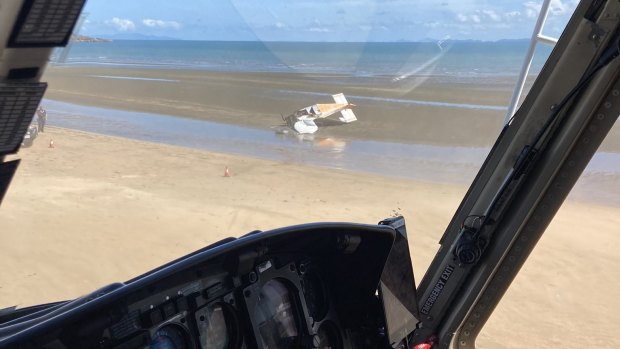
(23, 73)
(18, 103)
(45, 23)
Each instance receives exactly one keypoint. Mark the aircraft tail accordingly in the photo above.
(340, 98)
(347, 114)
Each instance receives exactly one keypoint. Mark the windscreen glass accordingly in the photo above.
(169, 125)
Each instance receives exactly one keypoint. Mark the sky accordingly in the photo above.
(322, 20)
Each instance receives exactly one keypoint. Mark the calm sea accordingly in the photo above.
(457, 58)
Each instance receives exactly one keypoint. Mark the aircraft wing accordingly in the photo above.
(342, 105)
(347, 115)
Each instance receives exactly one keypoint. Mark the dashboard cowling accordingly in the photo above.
(304, 286)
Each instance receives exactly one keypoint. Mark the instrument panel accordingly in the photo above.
(280, 307)
(311, 286)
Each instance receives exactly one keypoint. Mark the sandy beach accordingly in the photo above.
(146, 203)
(120, 207)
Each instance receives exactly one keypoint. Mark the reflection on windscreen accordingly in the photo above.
(275, 316)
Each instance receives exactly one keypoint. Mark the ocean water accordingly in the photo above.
(447, 58)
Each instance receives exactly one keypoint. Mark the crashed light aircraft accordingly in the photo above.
(302, 121)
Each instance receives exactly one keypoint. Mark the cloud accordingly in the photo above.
(512, 15)
(121, 24)
(531, 9)
(280, 25)
(433, 24)
(490, 14)
(158, 23)
(478, 16)
(559, 7)
(556, 7)
(319, 29)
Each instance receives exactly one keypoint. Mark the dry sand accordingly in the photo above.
(97, 209)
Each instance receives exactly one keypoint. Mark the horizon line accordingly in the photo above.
(307, 41)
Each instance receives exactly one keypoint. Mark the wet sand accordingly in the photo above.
(258, 99)
(120, 207)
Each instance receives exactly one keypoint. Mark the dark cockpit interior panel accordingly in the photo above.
(309, 286)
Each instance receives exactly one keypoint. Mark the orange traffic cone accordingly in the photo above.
(51, 145)
(226, 173)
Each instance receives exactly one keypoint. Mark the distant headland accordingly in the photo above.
(84, 38)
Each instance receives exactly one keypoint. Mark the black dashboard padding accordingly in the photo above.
(352, 271)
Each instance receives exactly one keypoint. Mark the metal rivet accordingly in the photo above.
(600, 116)
(615, 92)
(607, 105)
(586, 140)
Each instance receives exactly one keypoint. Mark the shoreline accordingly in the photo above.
(420, 162)
(588, 189)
